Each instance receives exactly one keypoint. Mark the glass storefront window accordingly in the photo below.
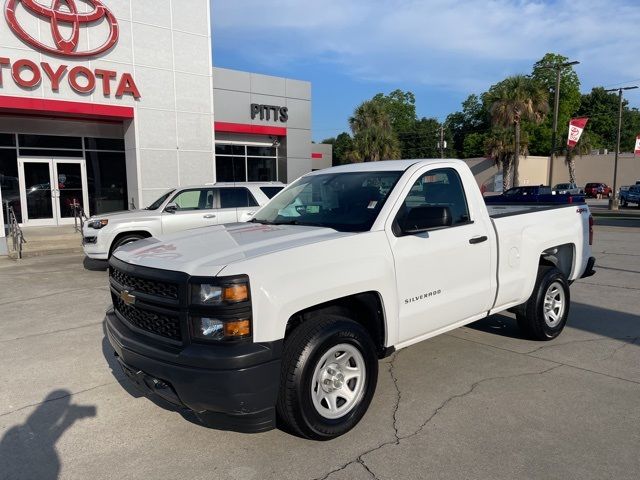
(9, 181)
(49, 141)
(107, 181)
(261, 169)
(230, 169)
(91, 143)
(246, 163)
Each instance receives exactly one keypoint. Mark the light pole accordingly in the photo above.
(558, 68)
(613, 201)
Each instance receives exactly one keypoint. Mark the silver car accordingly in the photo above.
(567, 189)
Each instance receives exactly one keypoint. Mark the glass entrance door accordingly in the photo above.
(50, 188)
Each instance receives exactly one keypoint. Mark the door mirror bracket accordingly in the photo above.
(171, 207)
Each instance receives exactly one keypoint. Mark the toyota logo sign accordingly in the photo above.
(67, 17)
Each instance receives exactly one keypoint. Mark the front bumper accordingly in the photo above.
(94, 244)
(232, 387)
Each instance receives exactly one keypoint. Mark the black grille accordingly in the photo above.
(167, 326)
(150, 287)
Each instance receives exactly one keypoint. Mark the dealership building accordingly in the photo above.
(107, 104)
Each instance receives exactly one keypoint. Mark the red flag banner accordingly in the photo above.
(637, 149)
(576, 127)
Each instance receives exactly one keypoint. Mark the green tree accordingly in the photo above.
(499, 145)
(569, 101)
(421, 141)
(342, 145)
(602, 109)
(373, 136)
(401, 108)
(472, 120)
(513, 100)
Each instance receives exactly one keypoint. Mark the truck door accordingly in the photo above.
(443, 275)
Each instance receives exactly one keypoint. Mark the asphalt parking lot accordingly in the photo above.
(479, 402)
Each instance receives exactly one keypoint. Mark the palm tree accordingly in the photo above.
(499, 146)
(373, 136)
(583, 147)
(513, 100)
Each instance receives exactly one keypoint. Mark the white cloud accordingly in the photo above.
(455, 45)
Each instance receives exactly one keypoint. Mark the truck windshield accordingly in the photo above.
(348, 202)
(158, 203)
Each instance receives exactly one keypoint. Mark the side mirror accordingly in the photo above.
(421, 219)
(171, 207)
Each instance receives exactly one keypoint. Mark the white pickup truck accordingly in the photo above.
(286, 316)
(176, 210)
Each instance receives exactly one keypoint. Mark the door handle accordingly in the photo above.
(209, 215)
(475, 240)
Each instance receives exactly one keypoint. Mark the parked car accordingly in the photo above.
(289, 314)
(567, 188)
(532, 194)
(630, 195)
(597, 190)
(176, 210)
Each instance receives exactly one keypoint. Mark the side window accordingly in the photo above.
(236, 197)
(192, 200)
(442, 188)
(271, 192)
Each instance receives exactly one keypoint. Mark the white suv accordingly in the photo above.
(177, 210)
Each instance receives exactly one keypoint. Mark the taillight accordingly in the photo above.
(591, 229)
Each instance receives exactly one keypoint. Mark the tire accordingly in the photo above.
(123, 241)
(310, 380)
(540, 319)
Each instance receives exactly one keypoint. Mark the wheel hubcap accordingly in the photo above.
(338, 381)
(554, 304)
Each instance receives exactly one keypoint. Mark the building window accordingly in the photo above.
(246, 163)
(107, 181)
(9, 184)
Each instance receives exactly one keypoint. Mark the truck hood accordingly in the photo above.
(206, 251)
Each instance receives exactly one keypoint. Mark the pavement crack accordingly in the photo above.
(582, 282)
(617, 349)
(53, 294)
(51, 332)
(571, 342)
(359, 459)
(71, 394)
(469, 391)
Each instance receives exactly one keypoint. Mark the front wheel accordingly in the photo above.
(329, 376)
(134, 237)
(545, 313)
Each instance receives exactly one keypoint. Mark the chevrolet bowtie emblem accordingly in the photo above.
(127, 298)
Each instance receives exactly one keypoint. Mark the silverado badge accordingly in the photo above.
(127, 298)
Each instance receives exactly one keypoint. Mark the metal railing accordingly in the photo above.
(14, 230)
(79, 217)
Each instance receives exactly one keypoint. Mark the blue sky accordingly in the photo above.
(440, 50)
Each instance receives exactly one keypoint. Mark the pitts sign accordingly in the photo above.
(266, 112)
(29, 75)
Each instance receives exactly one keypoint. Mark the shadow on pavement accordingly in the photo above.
(613, 324)
(28, 451)
(95, 265)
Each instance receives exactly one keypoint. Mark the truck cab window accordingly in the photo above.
(441, 188)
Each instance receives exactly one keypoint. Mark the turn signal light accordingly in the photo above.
(236, 293)
(239, 328)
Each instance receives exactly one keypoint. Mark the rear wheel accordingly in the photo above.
(545, 313)
(329, 376)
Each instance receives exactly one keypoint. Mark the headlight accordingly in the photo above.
(217, 294)
(98, 224)
(206, 328)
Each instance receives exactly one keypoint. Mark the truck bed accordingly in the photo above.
(507, 210)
